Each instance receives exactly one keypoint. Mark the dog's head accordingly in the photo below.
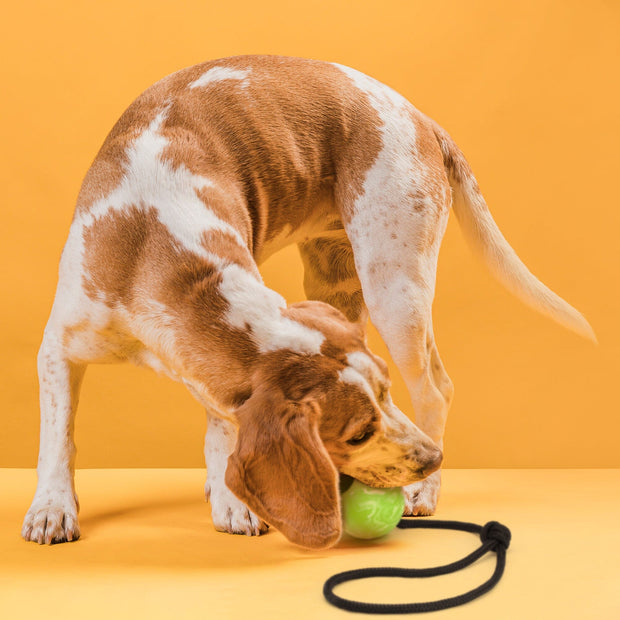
(312, 416)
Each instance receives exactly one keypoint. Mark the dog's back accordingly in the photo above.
(269, 133)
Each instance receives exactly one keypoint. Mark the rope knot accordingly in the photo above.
(495, 533)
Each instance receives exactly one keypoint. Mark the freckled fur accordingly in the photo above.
(209, 172)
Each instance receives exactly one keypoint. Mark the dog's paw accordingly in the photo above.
(53, 520)
(231, 515)
(421, 497)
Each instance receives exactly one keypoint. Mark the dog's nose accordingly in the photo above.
(433, 463)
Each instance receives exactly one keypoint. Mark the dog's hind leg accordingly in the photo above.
(395, 225)
(398, 289)
(330, 276)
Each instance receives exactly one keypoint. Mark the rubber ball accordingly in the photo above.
(370, 512)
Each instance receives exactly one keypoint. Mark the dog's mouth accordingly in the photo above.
(377, 482)
(389, 477)
(345, 483)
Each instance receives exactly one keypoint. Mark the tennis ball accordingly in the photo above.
(368, 512)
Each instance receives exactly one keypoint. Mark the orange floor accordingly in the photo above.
(148, 550)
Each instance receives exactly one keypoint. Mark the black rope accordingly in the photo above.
(494, 536)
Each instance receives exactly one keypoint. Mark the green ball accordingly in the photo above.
(369, 512)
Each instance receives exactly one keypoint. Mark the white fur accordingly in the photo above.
(255, 306)
(148, 182)
(375, 233)
(53, 514)
(353, 377)
(366, 367)
(229, 513)
(217, 74)
(152, 182)
(399, 283)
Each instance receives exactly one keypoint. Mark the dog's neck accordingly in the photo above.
(214, 333)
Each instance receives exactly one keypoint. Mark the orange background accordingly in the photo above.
(527, 88)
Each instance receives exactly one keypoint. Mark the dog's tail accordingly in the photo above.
(484, 236)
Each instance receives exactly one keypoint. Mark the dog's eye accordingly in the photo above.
(361, 437)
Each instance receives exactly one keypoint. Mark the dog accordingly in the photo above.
(208, 173)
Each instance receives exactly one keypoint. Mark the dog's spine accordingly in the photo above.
(484, 236)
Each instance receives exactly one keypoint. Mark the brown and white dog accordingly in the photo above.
(208, 173)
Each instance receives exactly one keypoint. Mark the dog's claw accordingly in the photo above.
(421, 497)
(47, 524)
(233, 516)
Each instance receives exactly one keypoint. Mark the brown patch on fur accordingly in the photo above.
(345, 409)
(226, 246)
(131, 259)
(429, 152)
(362, 143)
(330, 260)
(275, 146)
(113, 248)
(107, 170)
(329, 267)
(454, 162)
(350, 304)
(228, 207)
(341, 336)
(104, 175)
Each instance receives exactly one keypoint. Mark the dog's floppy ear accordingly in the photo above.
(281, 470)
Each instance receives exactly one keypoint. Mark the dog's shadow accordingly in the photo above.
(179, 533)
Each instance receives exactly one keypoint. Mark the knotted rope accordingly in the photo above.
(495, 537)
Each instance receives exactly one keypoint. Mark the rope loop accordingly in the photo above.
(495, 537)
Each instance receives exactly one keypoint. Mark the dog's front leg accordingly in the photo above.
(229, 513)
(53, 515)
